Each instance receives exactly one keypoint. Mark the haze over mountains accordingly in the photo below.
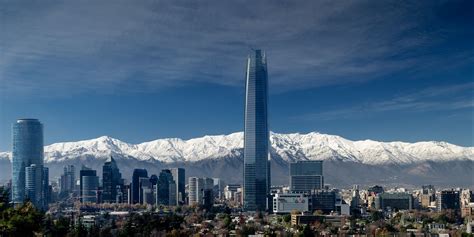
(346, 162)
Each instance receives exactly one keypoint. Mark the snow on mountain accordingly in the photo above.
(5, 156)
(290, 147)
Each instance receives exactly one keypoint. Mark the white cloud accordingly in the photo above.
(56, 47)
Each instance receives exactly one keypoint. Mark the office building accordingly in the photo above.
(89, 186)
(428, 195)
(111, 181)
(230, 190)
(256, 136)
(67, 180)
(193, 196)
(448, 199)
(288, 202)
(394, 201)
(135, 189)
(306, 176)
(34, 184)
(166, 189)
(197, 189)
(46, 188)
(323, 200)
(27, 150)
(85, 171)
(218, 188)
(374, 190)
(146, 193)
(179, 175)
(355, 201)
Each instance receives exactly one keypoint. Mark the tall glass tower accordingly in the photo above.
(256, 137)
(27, 153)
(111, 179)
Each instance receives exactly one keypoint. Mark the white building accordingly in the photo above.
(288, 202)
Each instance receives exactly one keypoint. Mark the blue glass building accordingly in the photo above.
(27, 150)
(256, 137)
(90, 185)
(137, 174)
(306, 176)
(166, 189)
(111, 181)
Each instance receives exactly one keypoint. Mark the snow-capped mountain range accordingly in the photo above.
(290, 147)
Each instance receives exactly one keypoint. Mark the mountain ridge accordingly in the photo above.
(290, 147)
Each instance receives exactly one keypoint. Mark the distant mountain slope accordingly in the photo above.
(291, 147)
(224, 151)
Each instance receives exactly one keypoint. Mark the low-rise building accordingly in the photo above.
(400, 201)
(288, 202)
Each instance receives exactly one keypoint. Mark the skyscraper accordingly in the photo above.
(166, 189)
(137, 174)
(111, 178)
(27, 137)
(34, 184)
(46, 191)
(85, 171)
(89, 186)
(306, 176)
(197, 188)
(194, 183)
(67, 180)
(179, 179)
(256, 137)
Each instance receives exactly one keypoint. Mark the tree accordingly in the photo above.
(307, 232)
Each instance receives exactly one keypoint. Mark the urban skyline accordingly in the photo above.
(392, 80)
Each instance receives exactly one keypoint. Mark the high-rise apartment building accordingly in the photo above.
(27, 155)
(306, 176)
(256, 136)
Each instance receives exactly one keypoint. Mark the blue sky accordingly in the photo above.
(142, 70)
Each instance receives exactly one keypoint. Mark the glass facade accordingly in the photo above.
(306, 176)
(179, 178)
(166, 190)
(137, 174)
(256, 137)
(85, 171)
(90, 184)
(111, 180)
(27, 150)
